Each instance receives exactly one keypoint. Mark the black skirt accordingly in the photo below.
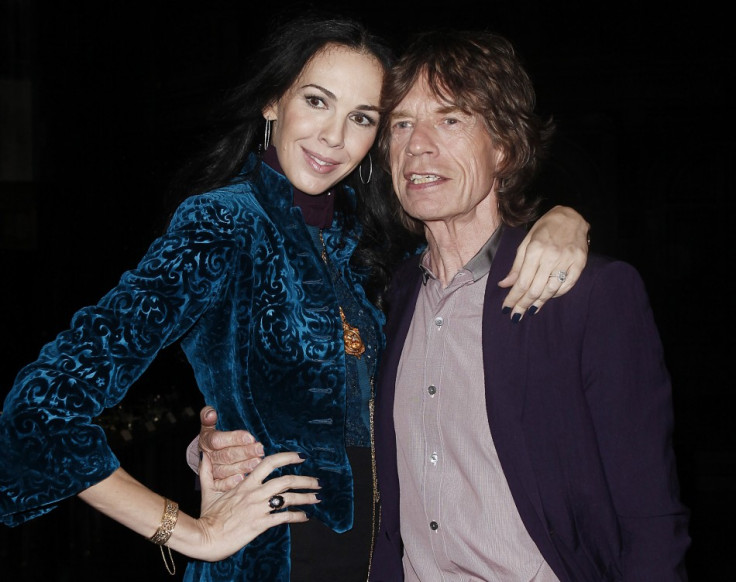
(319, 554)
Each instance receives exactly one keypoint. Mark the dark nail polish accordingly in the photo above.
(319, 496)
(532, 310)
(319, 482)
(516, 318)
(302, 455)
(506, 310)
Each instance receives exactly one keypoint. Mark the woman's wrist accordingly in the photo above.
(187, 537)
(168, 523)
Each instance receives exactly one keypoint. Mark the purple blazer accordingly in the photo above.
(579, 404)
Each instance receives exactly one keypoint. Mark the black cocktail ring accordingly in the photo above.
(276, 502)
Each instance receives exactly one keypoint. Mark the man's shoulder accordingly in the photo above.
(406, 271)
(600, 265)
(606, 276)
(406, 276)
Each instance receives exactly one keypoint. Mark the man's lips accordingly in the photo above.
(419, 179)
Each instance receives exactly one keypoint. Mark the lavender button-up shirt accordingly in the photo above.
(458, 518)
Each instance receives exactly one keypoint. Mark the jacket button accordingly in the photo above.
(433, 525)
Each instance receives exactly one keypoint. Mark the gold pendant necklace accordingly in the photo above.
(354, 345)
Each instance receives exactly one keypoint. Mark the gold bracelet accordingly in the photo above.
(163, 533)
(168, 521)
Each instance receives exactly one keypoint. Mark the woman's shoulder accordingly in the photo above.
(227, 207)
(236, 195)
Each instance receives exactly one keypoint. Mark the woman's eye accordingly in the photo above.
(363, 119)
(315, 101)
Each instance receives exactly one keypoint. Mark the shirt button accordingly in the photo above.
(438, 321)
(433, 525)
(432, 389)
(433, 458)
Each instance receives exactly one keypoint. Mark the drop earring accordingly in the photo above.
(370, 170)
(267, 135)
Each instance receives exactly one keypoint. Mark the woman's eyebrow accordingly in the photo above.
(327, 92)
(332, 96)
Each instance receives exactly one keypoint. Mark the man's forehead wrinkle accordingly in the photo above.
(439, 106)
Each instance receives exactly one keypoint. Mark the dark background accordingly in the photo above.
(99, 101)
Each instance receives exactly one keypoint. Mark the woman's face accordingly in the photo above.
(326, 122)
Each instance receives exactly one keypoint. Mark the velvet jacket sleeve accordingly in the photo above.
(51, 447)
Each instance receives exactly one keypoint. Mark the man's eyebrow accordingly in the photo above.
(398, 113)
(449, 108)
(332, 96)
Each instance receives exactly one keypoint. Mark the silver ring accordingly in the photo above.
(561, 275)
(276, 502)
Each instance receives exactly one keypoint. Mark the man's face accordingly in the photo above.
(443, 160)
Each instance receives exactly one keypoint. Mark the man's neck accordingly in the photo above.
(450, 249)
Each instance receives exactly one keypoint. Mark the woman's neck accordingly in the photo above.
(317, 209)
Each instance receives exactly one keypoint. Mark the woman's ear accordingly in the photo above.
(270, 112)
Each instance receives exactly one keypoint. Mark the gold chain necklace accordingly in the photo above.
(354, 345)
(375, 510)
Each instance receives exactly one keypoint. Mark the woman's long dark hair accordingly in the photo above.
(237, 126)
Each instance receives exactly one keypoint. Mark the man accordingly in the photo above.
(538, 451)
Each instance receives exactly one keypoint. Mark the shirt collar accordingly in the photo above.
(479, 266)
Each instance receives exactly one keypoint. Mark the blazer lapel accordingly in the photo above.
(402, 301)
(506, 359)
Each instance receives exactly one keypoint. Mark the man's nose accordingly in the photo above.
(421, 140)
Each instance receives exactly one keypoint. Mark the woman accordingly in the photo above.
(261, 278)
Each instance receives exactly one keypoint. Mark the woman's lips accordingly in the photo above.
(320, 164)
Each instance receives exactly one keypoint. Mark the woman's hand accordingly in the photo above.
(548, 261)
(230, 520)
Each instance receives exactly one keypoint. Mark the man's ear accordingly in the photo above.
(500, 157)
(500, 161)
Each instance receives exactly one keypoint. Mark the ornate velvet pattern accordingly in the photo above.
(238, 280)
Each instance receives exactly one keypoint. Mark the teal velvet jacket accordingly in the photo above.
(239, 282)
